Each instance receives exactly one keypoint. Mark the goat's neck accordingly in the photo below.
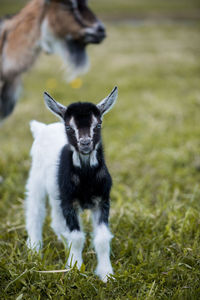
(79, 159)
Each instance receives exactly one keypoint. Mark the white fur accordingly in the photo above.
(75, 240)
(73, 125)
(47, 39)
(42, 179)
(93, 159)
(93, 125)
(36, 127)
(76, 159)
(102, 238)
(101, 241)
(90, 158)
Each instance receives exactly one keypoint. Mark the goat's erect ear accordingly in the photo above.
(106, 104)
(54, 106)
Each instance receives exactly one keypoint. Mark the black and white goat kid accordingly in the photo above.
(68, 165)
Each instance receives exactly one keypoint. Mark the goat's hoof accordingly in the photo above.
(34, 246)
(104, 273)
(70, 264)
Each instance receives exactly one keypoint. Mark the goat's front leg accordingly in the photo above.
(74, 236)
(102, 238)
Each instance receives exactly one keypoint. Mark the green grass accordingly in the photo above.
(152, 145)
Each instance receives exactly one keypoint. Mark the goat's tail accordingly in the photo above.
(36, 127)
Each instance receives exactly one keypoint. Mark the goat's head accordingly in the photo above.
(68, 27)
(82, 121)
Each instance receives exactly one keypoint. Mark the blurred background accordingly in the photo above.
(152, 135)
(152, 53)
(125, 9)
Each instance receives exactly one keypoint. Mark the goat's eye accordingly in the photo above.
(68, 127)
(98, 125)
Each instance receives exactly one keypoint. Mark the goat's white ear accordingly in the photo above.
(106, 104)
(54, 106)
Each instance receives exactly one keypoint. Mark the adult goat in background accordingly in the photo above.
(65, 27)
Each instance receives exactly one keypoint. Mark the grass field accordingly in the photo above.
(152, 145)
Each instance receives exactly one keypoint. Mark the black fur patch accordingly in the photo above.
(89, 187)
(82, 113)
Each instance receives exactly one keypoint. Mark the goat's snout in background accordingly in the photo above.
(95, 34)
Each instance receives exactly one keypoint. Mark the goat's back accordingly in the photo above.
(46, 149)
(48, 142)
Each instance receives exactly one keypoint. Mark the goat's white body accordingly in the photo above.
(42, 179)
(48, 143)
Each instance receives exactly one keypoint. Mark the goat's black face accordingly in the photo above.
(83, 126)
(82, 121)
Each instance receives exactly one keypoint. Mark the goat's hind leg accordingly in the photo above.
(35, 210)
(58, 223)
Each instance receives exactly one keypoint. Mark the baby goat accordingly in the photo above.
(68, 165)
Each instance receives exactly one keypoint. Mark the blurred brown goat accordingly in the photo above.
(65, 27)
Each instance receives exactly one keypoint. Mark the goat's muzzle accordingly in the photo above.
(85, 146)
(94, 35)
(77, 45)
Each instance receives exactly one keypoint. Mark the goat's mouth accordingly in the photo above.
(77, 48)
(93, 38)
(77, 55)
(85, 150)
(95, 34)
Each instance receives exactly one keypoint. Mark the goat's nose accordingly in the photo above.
(85, 142)
(100, 29)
